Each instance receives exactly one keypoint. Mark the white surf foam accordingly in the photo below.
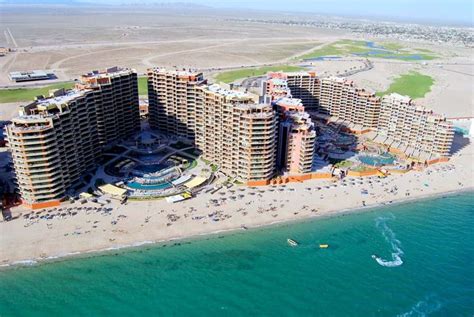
(389, 235)
(138, 244)
(25, 262)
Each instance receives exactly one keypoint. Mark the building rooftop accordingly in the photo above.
(31, 75)
(68, 96)
(302, 73)
(177, 72)
(337, 79)
(256, 106)
(284, 75)
(29, 111)
(112, 71)
(278, 81)
(215, 88)
(289, 101)
(402, 98)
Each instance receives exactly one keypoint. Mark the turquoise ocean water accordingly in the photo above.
(424, 266)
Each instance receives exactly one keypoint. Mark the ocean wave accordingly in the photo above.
(389, 235)
(25, 262)
(428, 305)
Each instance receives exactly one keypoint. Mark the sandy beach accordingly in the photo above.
(77, 228)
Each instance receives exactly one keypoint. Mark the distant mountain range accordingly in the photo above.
(106, 2)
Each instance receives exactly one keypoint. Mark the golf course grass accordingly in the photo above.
(412, 84)
(142, 86)
(233, 75)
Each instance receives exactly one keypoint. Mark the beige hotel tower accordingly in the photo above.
(55, 140)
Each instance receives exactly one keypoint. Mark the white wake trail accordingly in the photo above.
(389, 235)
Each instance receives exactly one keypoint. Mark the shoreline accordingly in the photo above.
(156, 243)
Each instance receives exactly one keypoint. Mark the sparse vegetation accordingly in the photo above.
(344, 164)
(423, 50)
(386, 50)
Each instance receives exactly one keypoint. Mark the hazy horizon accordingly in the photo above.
(423, 11)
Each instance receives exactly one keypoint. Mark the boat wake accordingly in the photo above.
(389, 235)
(425, 307)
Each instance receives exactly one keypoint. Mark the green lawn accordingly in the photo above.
(412, 84)
(28, 94)
(385, 50)
(233, 75)
(143, 86)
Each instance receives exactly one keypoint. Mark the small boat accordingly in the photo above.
(292, 242)
(324, 246)
(244, 227)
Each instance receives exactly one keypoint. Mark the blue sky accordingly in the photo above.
(435, 10)
(459, 11)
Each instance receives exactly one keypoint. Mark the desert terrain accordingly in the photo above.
(72, 41)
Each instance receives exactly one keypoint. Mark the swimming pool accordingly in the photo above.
(461, 131)
(135, 185)
(377, 159)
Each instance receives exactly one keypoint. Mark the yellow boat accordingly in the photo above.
(324, 246)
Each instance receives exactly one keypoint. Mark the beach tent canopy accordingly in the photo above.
(425, 156)
(181, 180)
(85, 195)
(176, 198)
(196, 181)
(113, 190)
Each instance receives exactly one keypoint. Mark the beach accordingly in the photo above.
(87, 228)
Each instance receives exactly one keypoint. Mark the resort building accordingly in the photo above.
(173, 95)
(302, 85)
(55, 140)
(296, 137)
(116, 98)
(236, 133)
(395, 120)
(340, 98)
(275, 88)
(229, 127)
(413, 129)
